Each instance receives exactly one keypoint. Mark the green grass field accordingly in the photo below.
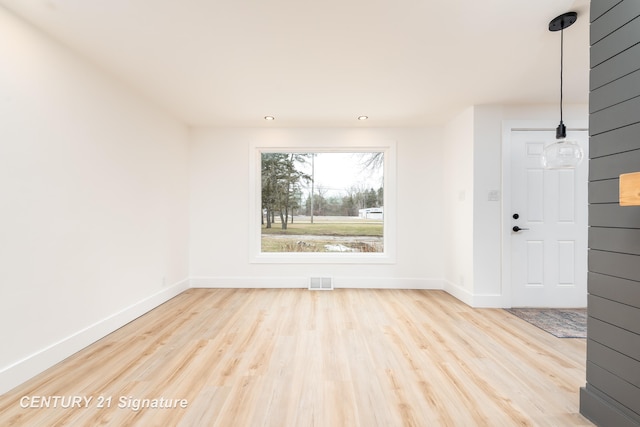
(371, 229)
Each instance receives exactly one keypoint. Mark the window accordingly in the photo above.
(323, 204)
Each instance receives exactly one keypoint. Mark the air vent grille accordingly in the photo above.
(320, 284)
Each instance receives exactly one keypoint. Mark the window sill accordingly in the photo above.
(321, 258)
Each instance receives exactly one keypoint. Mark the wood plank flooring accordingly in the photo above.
(292, 357)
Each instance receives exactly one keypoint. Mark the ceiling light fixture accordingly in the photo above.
(563, 153)
(269, 118)
(363, 117)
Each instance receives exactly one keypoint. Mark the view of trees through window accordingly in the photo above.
(322, 202)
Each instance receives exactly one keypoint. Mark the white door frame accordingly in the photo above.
(509, 126)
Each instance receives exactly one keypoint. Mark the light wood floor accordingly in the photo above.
(292, 357)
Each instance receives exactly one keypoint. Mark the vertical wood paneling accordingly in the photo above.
(620, 65)
(616, 289)
(615, 313)
(623, 392)
(612, 393)
(615, 117)
(598, 8)
(617, 17)
(611, 166)
(614, 216)
(615, 141)
(621, 240)
(619, 40)
(614, 337)
(622, 366)
(621, 90)
(606, 191)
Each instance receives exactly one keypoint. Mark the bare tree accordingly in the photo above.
(371, 161)
(320, 198)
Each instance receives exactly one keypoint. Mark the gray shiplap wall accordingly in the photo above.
(611, 396)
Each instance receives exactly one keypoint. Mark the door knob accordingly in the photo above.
(516, 229)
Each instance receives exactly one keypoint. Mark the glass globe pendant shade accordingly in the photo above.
(562, 154)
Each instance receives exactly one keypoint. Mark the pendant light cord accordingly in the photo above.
(561, 130)
(561, 68)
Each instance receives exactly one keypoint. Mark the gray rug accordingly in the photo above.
(560, 322)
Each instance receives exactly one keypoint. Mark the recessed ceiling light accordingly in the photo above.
(269, 118)
(363, 117)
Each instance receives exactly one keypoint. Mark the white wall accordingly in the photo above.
(474, 160)
(93, 208)
(220, 215)
(487, 214)
(458, 187)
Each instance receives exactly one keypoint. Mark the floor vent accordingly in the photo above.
(321, 284)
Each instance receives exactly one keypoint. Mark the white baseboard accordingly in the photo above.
(471, 299)
(249, 282)
(459, 292)
(387, 283)
(303, 282)
(19, 372)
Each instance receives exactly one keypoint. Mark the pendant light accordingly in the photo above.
(563, 153)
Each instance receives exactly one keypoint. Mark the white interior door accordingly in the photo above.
(549, 254)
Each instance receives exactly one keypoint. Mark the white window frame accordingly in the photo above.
(388, 256)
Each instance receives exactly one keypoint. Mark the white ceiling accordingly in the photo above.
(323, 63)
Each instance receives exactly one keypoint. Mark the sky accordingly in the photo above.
(336, 172)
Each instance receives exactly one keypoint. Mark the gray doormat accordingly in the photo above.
(560, 322)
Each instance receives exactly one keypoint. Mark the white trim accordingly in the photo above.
(471, 299)
(509, 126)
(390, 216)
(13, 375)
(458, 292)
(303, 282)
(249, 282)
(323, 258)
